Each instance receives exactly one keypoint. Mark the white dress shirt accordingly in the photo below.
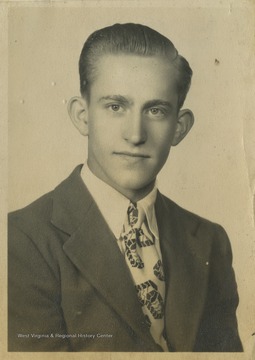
(113, 205)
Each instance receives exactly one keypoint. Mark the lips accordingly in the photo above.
(131, 154)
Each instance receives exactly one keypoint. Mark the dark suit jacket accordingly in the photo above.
(67, 276)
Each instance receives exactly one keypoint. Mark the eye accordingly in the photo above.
(156, 111)
(114, 107)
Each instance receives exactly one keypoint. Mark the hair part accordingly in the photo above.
(129, 39)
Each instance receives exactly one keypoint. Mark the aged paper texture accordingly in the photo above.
(212, 173)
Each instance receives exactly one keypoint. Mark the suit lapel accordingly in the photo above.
(94, 251)
(185, 260)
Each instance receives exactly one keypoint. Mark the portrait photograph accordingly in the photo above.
(128, 179)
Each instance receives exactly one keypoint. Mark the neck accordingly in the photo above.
(134, 195)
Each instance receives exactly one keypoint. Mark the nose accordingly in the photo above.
(134, 129)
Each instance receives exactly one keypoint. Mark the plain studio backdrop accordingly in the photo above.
(209, 173)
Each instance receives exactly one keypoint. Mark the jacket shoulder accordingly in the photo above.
(38, 211)
(186, 215)
(201, 228)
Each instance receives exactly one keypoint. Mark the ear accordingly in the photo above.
(78, 112)
(185, 122)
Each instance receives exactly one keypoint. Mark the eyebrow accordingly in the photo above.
(119, 98)
(156, 102)
(126, 101)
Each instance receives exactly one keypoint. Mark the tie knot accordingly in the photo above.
(132, 214)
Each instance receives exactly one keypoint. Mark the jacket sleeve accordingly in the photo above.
(219, 330)
(34, 313)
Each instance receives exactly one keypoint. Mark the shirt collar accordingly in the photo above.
(113, 205)
(147, 205)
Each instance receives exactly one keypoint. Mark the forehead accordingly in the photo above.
(126, 74)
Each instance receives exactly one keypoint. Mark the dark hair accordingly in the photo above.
(131, 39)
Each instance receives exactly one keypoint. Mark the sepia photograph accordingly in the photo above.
(131, 177)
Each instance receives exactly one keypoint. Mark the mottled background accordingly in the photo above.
(210, 173)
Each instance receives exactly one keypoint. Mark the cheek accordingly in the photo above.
(103, 127)
(161, 140)
(97, 131)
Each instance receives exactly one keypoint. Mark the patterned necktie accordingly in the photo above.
(146, 269)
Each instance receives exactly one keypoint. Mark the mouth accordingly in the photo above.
(131, 154)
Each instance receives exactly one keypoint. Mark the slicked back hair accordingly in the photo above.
(129, 39)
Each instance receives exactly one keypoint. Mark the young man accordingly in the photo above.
(105, 262)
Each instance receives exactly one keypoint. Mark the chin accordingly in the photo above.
(135, 184)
